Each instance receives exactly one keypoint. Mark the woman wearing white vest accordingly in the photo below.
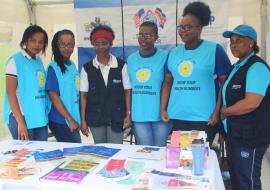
(63, 85)
(25, 102)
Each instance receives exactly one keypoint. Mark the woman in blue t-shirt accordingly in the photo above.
(146, 68)
(193, 67)
(62, 85)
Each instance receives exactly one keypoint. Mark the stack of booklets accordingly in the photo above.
(16, 166)
(72, 171)
(184, 139)
(9, 168)
(50, 155)
(100, 151)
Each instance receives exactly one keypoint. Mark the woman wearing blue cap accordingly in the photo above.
(246, 109)
(194, 67)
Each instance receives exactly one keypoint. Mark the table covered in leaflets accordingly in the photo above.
(19, 169)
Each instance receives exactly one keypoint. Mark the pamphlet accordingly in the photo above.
(71, 171)
(45, 156)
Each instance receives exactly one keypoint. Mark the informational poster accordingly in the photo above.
(125, 17)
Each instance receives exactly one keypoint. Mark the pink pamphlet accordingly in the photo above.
(175, 138)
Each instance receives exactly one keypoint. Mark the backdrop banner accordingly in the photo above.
(125, 17)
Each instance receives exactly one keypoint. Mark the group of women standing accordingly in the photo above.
(185, 89)
(35, 97)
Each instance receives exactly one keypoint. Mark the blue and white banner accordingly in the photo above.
(125, 17)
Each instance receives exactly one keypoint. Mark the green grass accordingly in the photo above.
(4, 54)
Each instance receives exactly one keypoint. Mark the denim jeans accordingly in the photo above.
(62, 133)
(152, 133)
(105, 134)
(36, 134)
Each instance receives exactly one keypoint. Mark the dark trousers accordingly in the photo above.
(245, 166)
(62, 133)
(196, 125)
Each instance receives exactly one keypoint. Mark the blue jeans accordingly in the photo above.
(105, 134)
(62, 133)
(152, 133)
(36, 134)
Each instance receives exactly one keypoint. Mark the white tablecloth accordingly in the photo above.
(92, 181)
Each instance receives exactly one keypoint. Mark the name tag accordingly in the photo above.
(117, 81)
(236, 86)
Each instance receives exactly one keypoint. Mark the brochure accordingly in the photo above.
(148, 153)
(101, 151)
(114, 171)
(71, 171)
(45, 156)
(180, 183)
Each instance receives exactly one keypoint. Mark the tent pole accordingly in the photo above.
(264, 26)
(31, 15)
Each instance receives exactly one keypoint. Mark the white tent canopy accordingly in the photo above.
(53, 15)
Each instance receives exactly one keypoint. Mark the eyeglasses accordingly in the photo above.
(97, 44)
(68, 45)
(144, 36)
(186, 27)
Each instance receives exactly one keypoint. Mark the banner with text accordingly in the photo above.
(125, 17)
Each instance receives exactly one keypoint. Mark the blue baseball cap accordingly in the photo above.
(242, 30)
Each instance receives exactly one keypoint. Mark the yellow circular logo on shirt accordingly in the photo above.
(143, 75)
(41, 78)
(185, 68)
(77, 82)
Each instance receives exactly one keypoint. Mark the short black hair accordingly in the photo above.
(152, 25)
(200, 10)
(102, 27)
(30, 31)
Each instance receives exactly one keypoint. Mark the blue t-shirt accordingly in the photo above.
(146, 75)
(193, 93)
(222, 61)
(52, 85)
(258, 79)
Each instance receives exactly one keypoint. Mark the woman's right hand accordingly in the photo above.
(84, 129)
(73, 125)
(22, 131)
(164, 116)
